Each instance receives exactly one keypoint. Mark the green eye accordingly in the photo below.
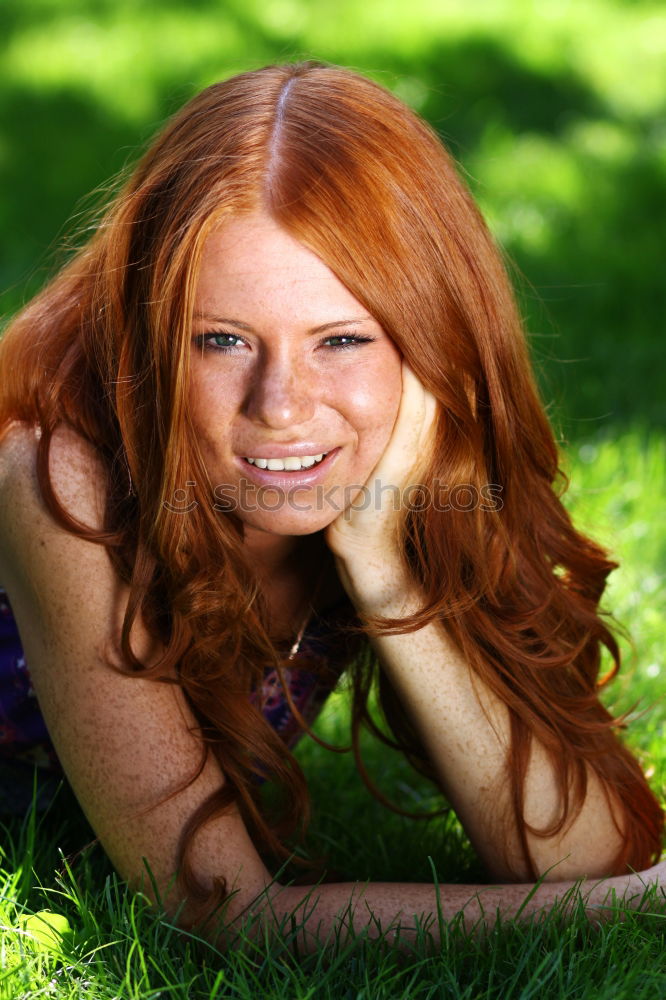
(218, 341)
(222, 340)
(350, 340)
(230, 341)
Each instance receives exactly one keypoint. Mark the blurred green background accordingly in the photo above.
(555, 110)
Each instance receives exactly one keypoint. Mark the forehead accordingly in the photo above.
(250, 264)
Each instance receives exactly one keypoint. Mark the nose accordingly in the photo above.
(280, 395)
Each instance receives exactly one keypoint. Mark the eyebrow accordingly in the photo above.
(316, 329)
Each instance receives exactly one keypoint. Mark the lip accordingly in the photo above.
(289, 480)
(285, 450)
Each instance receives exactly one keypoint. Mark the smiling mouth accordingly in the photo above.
(292, 463)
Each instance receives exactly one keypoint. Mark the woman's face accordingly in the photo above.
(286, 366)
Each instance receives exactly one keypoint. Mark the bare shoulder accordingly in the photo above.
(76, 471)
(18, 452)
(26, 526)
(49, 571)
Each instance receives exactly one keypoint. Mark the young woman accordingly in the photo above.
(276, 420)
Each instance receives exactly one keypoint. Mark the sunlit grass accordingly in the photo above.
(617, 494)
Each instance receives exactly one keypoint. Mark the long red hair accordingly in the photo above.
(360, 180)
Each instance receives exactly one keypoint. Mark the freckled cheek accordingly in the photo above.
(212, 408)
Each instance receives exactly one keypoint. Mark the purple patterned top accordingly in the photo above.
(23, 732)
(24, 738)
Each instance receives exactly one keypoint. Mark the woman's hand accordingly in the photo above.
(365, 536)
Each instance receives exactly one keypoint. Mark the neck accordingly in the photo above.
(277, 555)
(294, 570)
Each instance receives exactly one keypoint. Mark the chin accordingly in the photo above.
(290, 523)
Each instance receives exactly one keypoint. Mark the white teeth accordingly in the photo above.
(290, 464)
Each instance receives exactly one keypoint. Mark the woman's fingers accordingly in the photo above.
(409, 448)
(370, 522)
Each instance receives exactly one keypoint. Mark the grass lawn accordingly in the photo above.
(556, 113)
(118, 948)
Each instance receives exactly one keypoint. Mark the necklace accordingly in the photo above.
(296, 645)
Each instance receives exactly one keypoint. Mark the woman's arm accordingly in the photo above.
(462, 724)
(400, 910)
(465, 729)
(126, 743)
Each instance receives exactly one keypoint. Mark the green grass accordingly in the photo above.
(119, 948)
(556, 112)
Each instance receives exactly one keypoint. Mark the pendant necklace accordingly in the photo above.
(296, 645)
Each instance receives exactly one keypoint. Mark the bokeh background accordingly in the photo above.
(556, 112)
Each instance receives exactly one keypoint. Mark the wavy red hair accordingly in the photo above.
(361, 181)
